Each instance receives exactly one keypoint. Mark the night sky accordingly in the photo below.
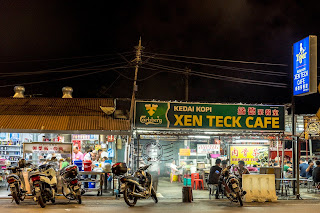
(32, 32)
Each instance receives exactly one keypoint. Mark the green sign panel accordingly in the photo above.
(154, 114)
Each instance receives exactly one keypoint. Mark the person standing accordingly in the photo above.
(174, 170)
(77, 155)
(214, 176)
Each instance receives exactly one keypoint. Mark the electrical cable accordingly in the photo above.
(65, 78)
(58, 59)
(214, 75)
(221, 60)
(112, 83)
(219, 77)
(263, 72)
(57, 70)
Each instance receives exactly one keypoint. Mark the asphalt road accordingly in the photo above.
(94, 204)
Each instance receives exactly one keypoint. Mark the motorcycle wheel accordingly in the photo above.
(154, 195)
(68, 196)
(15, 197)
(239, 198)
(130, 201)
(79, 199)
(41, 202)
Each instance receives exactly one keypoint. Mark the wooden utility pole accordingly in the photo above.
(187, 84)
(135, 87)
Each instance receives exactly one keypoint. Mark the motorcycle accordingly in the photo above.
(71, 188)
(232, 187)
(137, 186)
(16, 182)
(44, 184)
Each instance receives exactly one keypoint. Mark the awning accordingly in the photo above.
(73, 115)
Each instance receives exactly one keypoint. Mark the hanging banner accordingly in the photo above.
(249, 154)
(305, 66)
(152, 114)
(208, 148)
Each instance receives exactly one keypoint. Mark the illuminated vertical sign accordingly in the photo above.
(305, 66)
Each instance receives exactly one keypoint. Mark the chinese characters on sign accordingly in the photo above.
(305, 66)
(208, 148)
(248, 154)
(208, 116)
(50, 147)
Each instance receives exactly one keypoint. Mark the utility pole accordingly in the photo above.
(187, 84)
(135, 87)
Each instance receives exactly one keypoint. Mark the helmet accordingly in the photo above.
(22, 163)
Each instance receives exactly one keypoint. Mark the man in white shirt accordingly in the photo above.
(91, 155)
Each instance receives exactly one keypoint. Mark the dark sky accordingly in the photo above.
(248, 30)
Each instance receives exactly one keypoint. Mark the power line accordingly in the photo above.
(220, 77)
(60, 79)
(59, 71)
(58, 59)
(222, 60)
(204, 73)
(257, 71)
(112, 83)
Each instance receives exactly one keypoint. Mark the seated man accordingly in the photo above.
(316, 173)
(288, 170)
(310, 168)
(240, 170)
(214, 176)
(303, 167)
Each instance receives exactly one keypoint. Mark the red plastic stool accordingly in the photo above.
(195, 179)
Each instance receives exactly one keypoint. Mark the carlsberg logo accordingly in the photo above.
(151, 109)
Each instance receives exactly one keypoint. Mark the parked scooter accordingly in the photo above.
(232, 187)
(16, 182)
(138, 186)
(44, 184)
(71, 188)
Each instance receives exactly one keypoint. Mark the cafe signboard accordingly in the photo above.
(176, 115)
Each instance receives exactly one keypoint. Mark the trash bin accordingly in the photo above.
(187, 194)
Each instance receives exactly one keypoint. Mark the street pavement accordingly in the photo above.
(103, 204)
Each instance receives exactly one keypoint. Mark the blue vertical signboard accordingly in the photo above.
(305, 66)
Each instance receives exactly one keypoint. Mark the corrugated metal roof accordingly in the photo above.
(58, 114)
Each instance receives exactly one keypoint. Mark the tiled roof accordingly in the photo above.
(58, 114)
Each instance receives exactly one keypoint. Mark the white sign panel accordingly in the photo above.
(48, 147)
(208, 148)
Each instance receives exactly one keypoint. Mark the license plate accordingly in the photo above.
(12, 185)
(234, 185)
(37, 189)
(76, 187)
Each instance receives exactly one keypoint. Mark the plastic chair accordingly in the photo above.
(195, 179)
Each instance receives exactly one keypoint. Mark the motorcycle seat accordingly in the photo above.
(132, 178)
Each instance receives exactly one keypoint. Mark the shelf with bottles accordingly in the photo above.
(10, 143)
(10, 150)
(12, 158)
(8, 154)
